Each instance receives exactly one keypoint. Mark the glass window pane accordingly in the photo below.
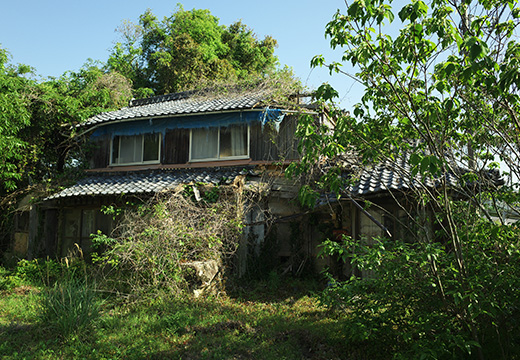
(115, 150)
(233, 141)
(151, 147)
(126, 152)
(204, 143)
(225, 142)
(138, 150)
(131, 149)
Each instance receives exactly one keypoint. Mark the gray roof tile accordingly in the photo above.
(178, 104)
(393, 176)
(146, 182)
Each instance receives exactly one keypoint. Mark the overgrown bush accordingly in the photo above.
(48, 271)
(68, 307)
(150, 249)
(39, 271)
(43, 272)
(416, 303)
(8, 279)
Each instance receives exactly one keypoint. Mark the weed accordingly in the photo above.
(68, 307)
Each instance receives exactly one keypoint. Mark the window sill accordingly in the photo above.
(229, 158)
(136, 164)
(207, 164)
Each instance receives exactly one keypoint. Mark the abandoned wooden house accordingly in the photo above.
(159, 143)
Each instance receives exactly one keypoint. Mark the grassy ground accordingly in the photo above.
(261, 321)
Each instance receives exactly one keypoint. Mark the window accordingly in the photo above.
(136, 149)
(220, 143)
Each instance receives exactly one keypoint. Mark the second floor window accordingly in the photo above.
(220, 143)
(136, 149)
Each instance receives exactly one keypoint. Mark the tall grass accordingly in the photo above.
(69, 307)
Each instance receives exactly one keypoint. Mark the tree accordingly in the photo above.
(38, 141)
(14, 116)
(57, 105)
(37, 118)
(189, 49)
(443, 91)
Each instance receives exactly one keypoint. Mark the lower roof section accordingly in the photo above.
(148, 182)
(379, 179)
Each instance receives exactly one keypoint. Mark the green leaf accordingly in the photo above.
(326, 92)
(476, 48)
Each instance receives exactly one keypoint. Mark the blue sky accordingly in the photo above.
(56, 36)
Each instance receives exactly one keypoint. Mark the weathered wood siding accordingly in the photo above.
(262, 146)
(176, 146)
(271, 143)
(287, 141)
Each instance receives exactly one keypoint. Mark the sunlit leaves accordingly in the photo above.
(190, 49)
(37, 118)
(326, 92)
(14, 118)
(475, 47)
(317, 61)
(413, 11)
(426, 165)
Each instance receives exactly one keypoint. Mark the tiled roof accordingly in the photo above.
(383, 177)
(148, 182)
(178, 104)
(389, 176)
(397, 175)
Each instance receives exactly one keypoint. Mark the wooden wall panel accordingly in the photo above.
(176, 146)
(287, 141)
(263, 145)
(268, 143)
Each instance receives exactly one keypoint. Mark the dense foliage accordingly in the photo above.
(410, 310)
(160, 245)
(38, 142)
(189, 49)
(14, 116)
(441, 90)
(37, 118)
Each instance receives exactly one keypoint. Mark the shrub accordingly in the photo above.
(417, 304)
(8, 280)
(39, 271)
(48, 271)
(154, 243)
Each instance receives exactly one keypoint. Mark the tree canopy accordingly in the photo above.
(37, 118)
(189, 49)
(14, 116)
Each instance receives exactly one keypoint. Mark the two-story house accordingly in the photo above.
(159, 143)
